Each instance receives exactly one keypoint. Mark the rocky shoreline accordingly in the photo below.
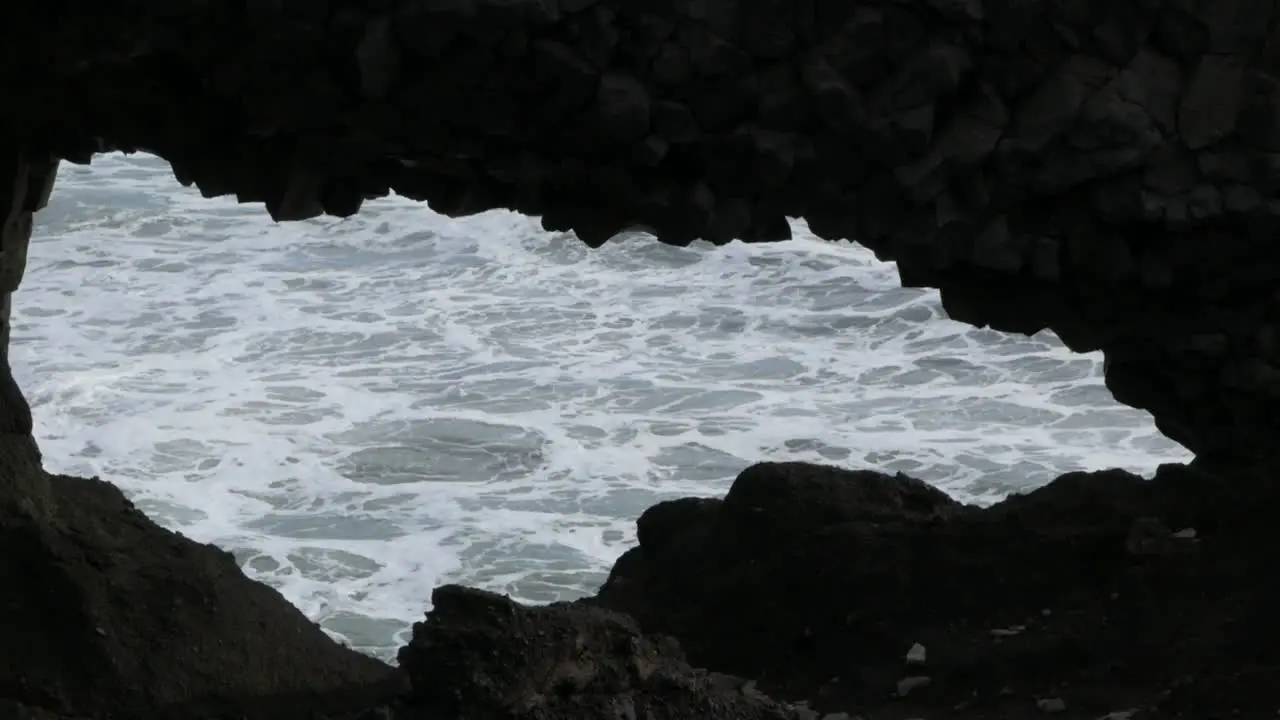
(806, 593)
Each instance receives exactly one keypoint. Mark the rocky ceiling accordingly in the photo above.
(1104, 169)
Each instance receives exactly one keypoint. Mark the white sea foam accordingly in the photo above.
(362, 409)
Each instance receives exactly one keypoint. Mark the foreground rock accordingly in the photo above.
(861, 594)
(480, 655)
(1086, 597)
(105, 614)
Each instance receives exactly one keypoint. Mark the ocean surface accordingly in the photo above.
(362, 409)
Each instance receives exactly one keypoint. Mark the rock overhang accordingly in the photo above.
(1104, 170)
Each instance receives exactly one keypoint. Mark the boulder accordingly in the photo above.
(1101, 590)
(482, 655)
(103, 613)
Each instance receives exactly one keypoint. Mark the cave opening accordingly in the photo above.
(316, 396)
(324, 397)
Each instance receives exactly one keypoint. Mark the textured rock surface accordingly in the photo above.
(1108, 170)
(480, 655)
(24, 189)
(1084, 598)
(818, 581)
(1104, 169)
(105, 614)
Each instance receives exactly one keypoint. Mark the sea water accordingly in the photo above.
(363, 409)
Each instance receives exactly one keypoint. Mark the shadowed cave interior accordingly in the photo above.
(1103, 170)
(657, 609)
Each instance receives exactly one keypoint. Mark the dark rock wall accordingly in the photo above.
(1105, 169)
(24, 188)
(1117, 596)
(101, 608)
(107, 615)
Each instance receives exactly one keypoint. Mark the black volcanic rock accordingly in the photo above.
(480, 655)
(1100, 169)
(1098, 593)
(1104, 170)
(817, 581)
(105, 614)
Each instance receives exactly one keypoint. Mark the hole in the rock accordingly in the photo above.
(355, 391)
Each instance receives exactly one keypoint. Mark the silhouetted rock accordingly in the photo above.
(1106, 170)
(836, 591)
(480, 655)
(105, 614)
(818, 581)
